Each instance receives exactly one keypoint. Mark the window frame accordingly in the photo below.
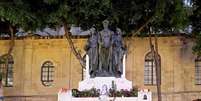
(150, 69)
(197, 70)
(7, 70)
(47, 73)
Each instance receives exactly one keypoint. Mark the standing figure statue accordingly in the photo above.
(92, 51)
(105, 49)
(117, 53)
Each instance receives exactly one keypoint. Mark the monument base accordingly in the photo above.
(143, 95)
(98, 82)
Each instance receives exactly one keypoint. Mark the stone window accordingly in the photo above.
(47, 73)
(6, 70)
(149, 70)
(198, 70)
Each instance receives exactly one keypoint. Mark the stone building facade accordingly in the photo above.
(42, 66)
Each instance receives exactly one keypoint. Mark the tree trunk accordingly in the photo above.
(8, 54)
(12, 42)
(72, 47)
(158, 70)
(156, 57)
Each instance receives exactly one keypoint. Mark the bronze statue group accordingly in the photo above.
(105, 50)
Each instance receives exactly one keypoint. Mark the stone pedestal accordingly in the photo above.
(98, 82)
(143, 95)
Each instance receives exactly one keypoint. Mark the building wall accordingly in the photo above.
(177, 67)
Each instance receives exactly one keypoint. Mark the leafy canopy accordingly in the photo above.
(14, 13)
(128, 15)
(196, 23)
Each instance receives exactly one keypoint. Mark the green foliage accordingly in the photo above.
(112, 93)
(87, 93)
(17, 16)
(196, 16)
(196, 23)
(170, 16)
(128, 15)
(132, 93)
(197, 47)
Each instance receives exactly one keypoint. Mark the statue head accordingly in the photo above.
(119, 31)
(105, 24)
(92, 30)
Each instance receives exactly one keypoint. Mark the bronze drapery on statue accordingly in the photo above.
(105, 50)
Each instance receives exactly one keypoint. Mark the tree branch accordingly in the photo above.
(12, 42)
(72, 47)
(139, 30)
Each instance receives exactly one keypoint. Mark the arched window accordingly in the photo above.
(198, 70)
(47, 73)
(6, 70)
(150, 70)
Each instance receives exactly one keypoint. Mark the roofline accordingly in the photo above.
(87, 36)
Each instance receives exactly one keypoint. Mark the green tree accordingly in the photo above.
(12, 15)
(196, 23)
